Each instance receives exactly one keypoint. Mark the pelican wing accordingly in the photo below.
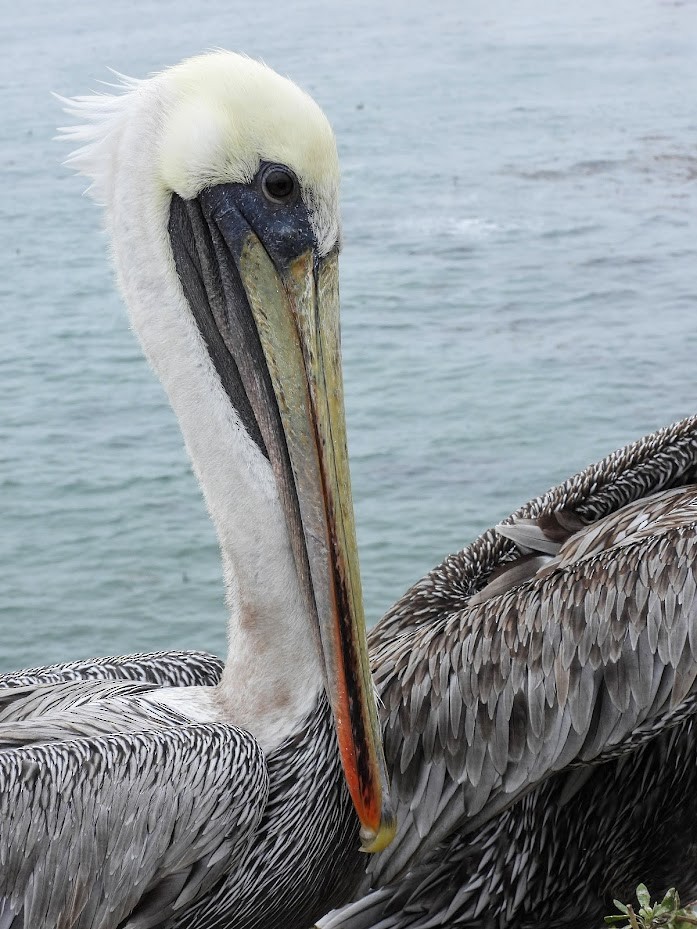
(168, 669)
(583, 651)
(137, 825)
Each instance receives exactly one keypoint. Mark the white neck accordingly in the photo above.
(272, 674)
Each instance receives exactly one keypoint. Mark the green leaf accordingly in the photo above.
(642, 895)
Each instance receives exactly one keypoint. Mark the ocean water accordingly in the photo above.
(519, 289)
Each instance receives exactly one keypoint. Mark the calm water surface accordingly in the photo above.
(519, 289)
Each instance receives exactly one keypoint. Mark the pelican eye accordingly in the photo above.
(279, 184)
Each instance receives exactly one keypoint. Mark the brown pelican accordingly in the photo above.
(123, 799)
(536, 689)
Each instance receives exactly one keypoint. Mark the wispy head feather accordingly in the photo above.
(209, 120)
(102, 117)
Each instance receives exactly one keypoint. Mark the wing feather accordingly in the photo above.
(579, 662)
(168, 669)
(136, 825)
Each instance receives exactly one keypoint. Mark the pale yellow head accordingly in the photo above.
(211, 120)
(231, 112)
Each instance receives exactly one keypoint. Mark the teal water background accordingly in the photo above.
(519, 289)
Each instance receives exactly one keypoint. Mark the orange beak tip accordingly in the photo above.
(372, 841)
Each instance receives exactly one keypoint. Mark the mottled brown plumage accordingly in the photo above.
(528, 718)
(153, 821)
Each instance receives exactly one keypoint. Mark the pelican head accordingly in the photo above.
(220, 183)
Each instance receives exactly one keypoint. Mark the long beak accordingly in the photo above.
(285, 343)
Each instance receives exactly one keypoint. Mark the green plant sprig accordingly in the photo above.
(668, 914)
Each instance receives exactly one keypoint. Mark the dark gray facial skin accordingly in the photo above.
(206, 235)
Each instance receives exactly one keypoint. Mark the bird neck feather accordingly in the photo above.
(272, 674)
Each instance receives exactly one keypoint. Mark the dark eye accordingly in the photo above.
(279, 184)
